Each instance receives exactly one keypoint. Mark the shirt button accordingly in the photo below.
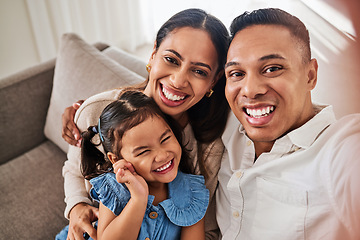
(236, 214)
(239, 174)
(153, 215)
(248, 143)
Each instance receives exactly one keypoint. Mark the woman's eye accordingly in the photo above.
(171, 60)
(201, 72)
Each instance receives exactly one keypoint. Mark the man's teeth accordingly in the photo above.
(171, 96)
(166, 166)
(257, 113)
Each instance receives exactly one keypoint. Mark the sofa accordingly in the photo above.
(32, 151)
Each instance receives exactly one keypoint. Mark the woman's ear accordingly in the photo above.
(112, 157)
(217, 78)
(152, 56)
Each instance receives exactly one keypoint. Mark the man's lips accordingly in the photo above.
(259, 116)
(259, 112)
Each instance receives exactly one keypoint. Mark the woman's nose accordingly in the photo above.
(179, 79)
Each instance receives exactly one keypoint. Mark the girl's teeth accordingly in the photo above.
(171, 96)
(164, 167)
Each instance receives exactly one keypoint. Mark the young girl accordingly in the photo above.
(141, 183)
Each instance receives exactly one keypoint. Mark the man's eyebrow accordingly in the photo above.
(229, 64)
(271, 56)
(194, 63)
(266, 57)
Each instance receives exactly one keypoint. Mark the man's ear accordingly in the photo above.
(312, 73)
(112, 157)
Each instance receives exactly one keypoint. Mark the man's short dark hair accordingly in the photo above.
(274, 16)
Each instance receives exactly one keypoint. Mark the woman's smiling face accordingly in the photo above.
(183, 69)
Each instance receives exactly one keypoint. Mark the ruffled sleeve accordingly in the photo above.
(109, 192)
(188, 200)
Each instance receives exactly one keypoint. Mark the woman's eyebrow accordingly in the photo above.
(194, 63)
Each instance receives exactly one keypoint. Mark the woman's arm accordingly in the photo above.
(196, 231)
(78, 208)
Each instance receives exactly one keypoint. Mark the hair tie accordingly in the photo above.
(101, 137)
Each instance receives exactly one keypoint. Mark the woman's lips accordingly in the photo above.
(170, 97)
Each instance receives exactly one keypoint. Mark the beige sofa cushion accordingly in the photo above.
(81, 71)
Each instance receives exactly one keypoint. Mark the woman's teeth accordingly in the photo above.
(257, 113)
(164, 167)
(171, 96)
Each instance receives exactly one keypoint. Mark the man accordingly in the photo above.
(290, 170)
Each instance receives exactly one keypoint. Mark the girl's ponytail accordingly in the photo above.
(93, 161)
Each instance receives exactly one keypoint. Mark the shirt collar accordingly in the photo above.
(306, 135)
(303, 136)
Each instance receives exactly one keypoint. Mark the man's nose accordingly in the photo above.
(253, 86)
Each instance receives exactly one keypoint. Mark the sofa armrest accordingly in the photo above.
(24, 100)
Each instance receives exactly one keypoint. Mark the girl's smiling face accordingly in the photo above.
(152, 148)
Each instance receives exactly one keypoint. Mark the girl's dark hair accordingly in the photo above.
(274, 16)
(131, 109)
(208, 117)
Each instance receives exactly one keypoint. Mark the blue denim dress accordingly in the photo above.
(187, 204)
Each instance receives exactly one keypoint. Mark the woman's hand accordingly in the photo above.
(125, 173)
(70, 132)
(81, 217)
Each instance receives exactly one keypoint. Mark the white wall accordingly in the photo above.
(17, 45)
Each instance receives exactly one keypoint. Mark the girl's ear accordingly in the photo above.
(112, 157)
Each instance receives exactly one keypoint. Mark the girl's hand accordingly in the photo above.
(125, 173)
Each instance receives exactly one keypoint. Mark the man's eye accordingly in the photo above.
(272, 69)
(235, 74)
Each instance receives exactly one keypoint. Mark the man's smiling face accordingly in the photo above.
(268, 82)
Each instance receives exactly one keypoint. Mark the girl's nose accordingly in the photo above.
(162, 155)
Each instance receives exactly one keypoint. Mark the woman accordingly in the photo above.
(186, 81)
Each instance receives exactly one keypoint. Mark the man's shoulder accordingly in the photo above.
(343, 134)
